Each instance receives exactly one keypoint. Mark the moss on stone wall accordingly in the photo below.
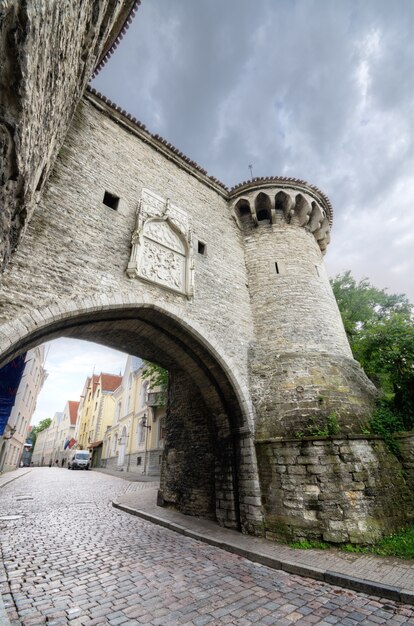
(336, 489)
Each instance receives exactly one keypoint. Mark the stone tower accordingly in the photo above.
(303, 376)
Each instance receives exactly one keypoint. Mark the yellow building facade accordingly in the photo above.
(135, 440)
(85, 412)
(96, 413)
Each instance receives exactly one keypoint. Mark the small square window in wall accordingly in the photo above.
(111, 201)
(201, 248)
(138, 460)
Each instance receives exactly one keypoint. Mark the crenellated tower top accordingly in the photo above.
(278, 200)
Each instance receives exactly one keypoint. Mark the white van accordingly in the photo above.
(79, 459)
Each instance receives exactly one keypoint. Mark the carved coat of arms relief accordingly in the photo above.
(161, 245)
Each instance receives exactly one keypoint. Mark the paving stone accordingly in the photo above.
(138, 573)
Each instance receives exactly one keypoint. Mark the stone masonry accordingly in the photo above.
(133, 245)
(48, 50)
(334, 488)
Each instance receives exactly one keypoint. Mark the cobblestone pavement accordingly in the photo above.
(74, 559)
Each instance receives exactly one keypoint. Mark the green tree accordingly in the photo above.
(380, 328)
(158, 377)
(386, 351)
(361, 303)
(42, 425)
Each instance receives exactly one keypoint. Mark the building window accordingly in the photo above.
(115, 443)
(110, 200)
(144, 393)
(141, 432)
(139, 460)
(202, 248)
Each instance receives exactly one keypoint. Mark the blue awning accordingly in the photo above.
(10, 377)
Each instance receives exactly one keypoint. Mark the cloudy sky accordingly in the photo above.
(68, 363)
(321, 90)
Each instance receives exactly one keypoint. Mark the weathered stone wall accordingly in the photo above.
(406, 447)
(76, 248)
(246, 336)
(48, 51)
(336, 489)
(188, 468)
(301, 365)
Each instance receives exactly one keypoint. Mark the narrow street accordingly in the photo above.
(71, 558)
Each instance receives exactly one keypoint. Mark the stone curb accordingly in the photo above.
(373, 588)
(10, 480)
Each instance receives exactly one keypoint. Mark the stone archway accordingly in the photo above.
(208, 467)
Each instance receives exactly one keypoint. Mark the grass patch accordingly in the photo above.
(356, 549)
(305, 544)
(400, 545)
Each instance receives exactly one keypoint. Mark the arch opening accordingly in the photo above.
(263, 207)
(204, 414)
(303, 210)
(244, 213)
(283, 204)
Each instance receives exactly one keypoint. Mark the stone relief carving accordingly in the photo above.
(162, 264)
(161, 245)
(161, 232)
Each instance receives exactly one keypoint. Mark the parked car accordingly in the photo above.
(79, 459)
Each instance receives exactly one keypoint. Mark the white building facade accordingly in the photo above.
(15, 435)
(135, 441)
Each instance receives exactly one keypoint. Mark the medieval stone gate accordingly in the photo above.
(131, 244)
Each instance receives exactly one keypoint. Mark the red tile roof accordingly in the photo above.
(93, 381)
(110, 382)
(73, 411)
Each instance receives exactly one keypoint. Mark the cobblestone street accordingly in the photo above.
(71, 558)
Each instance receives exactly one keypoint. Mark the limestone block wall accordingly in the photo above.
(406, 446)
(301, 365)
(336, 489)
(76, 246)
(48, 52)
(257, 349)
(187, 476)
(77, 249)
